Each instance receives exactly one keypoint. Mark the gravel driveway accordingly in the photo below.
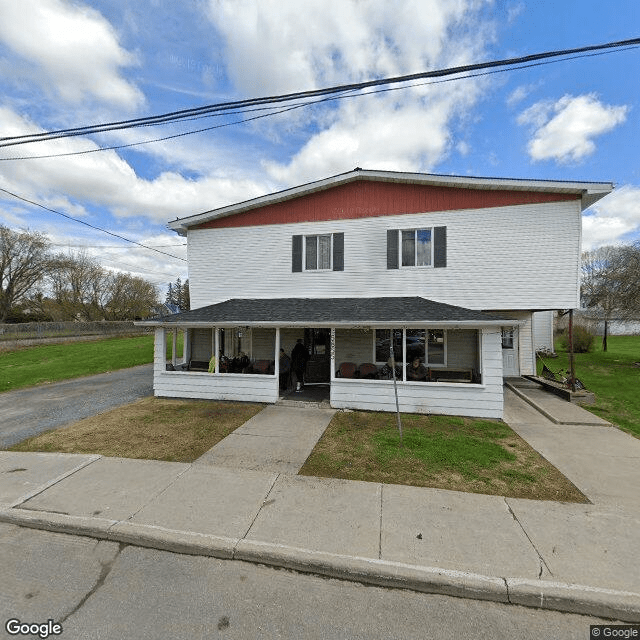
(27, 412)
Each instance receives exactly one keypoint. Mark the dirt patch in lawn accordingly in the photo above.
(152, 428)
(461, 454)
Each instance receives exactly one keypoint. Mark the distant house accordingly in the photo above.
(454, 270)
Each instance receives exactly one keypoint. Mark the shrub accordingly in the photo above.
(582, 339)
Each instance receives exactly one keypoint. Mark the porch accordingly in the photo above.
(458, 353)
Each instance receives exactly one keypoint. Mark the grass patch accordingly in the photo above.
(54, 362)
(150, 429)
(462, 454)
(612, 376)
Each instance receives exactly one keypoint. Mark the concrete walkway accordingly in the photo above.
(278, 439)
(570, 557)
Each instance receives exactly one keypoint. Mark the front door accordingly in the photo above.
(318, 343)
(510, 367)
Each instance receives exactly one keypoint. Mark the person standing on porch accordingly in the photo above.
(299, 357)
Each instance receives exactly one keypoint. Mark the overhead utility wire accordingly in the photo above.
(226, 106)
(64, 215)
(343, 96)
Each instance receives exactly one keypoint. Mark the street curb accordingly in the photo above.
(373, 571)
(541, 594)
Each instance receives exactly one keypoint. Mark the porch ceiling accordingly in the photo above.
(329, 312)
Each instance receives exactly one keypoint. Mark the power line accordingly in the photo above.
(64, 215)
(278, 99)
(297, 106)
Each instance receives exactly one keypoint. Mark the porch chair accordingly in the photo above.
(368, 370)
(263, 366)
(347, 370)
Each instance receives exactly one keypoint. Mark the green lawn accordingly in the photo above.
(445, 452)
(50, 363)
(612, 376)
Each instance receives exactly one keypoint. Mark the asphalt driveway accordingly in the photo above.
(28, 412)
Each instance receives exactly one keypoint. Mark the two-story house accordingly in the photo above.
(447, 269)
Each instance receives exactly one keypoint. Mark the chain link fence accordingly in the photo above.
(29, 333)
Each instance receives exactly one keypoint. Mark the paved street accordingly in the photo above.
(99, 589)
(27, 412)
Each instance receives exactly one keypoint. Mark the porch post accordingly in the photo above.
(174, 347)
(276, 365)
(216, 348)
(404, 354)
(186, 348)
(332, 349)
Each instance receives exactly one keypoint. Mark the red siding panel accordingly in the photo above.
(364, 199)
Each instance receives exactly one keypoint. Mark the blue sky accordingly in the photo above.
(66, 64)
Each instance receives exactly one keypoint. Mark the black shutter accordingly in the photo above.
(392, 248)
(440, 247)
(296, 254)
(338, 251)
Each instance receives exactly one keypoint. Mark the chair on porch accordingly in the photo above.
(347, 370)
(264, 367)
(368, 370)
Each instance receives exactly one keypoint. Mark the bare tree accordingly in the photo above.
(24, 261)
(611, 283)
(79, 287)
(130, 297)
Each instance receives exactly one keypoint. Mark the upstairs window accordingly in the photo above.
(426, 247)
(322, 252)
(317, 252)
(416, 247)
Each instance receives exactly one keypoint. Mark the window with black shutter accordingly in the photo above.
(422, 247)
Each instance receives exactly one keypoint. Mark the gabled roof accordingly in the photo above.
(329, 312)
(588, 192)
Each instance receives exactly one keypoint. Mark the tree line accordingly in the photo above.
(38, 284)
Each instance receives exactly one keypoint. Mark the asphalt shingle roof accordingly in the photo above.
(327, 311)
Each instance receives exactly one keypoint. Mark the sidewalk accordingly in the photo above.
(579, 558)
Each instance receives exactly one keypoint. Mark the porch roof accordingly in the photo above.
(329, 312)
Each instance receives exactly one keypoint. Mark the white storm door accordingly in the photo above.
(510, 365)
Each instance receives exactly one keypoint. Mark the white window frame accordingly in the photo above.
(317, 236)
(426, 330)
(415, 251)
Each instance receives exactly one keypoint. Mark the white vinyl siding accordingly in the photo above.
(515, 257)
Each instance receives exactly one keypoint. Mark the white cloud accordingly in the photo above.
(613, 217)
(564, 130)
(374, 135)
(276, 48)
(70, 49)
(104, 179)
(289, 46)
(519, 94)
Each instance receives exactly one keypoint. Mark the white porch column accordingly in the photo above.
(404, 355)
(332, 348)
(276, 366)
(216, 348)
(174, 347)
(186, 347)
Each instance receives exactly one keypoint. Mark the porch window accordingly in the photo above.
(427, 344)
(383, 347)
